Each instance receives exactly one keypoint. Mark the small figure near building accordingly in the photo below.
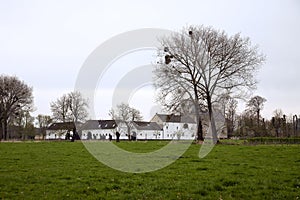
(133, 136)
(118, 136)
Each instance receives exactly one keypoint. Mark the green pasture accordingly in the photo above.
(65, 170)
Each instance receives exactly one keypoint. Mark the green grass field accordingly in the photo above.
(65, 170)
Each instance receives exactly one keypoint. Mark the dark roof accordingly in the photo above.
(146, 125)
(90, 124)
(99, 124)
(169, 118)
(62, 126)
(175, 118)
(107, 124)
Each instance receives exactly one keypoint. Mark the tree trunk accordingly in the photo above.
(198, 119)
(199, 130)
(212, 121)
(128, 131)
(258, 111)
(5, 136)
(2, 130)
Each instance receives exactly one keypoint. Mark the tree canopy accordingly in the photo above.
(15, 98)
(70, 107)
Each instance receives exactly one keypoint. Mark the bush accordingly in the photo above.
(273, 140)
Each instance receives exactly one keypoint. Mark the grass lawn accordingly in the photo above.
(65, 170)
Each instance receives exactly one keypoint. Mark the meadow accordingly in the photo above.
(66, 170)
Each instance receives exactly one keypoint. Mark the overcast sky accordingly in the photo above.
(45, 43)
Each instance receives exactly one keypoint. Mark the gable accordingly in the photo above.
(140, 125)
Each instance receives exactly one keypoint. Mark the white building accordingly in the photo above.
(60, 130)
(146, 130)
(176, 126)
(98, 129)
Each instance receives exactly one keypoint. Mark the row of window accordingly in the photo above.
(185, 126)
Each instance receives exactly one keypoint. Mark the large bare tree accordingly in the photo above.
(205, 63)
(125, 114)
(60, 109)
(70, 107)
(15, 96)
(78, 106)
(255, 105)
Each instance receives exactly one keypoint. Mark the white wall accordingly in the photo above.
(96, 133)
(172, 130)
(148, 134)
(56, 134)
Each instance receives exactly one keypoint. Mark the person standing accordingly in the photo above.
(118, 136)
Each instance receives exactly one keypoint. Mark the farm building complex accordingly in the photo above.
(160, 127)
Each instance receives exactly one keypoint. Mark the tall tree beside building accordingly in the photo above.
(205, 63)
(70, 107)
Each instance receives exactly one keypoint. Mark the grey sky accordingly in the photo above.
(45, 43)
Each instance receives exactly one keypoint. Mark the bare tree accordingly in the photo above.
(60, 109)
(70, 107)
(24, 121)
(78, 106)
(255, 105)
(277, 121)
(125, 114)
(15, 96)
(229, 105)
(206, 63)
(43, 121)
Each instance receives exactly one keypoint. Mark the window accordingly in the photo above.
(185, 126)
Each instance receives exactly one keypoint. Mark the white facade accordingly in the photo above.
(179, 131)
(98, 130)
(58, 131)
(146, 130)
(148, 134)
(97, 134)
(55, 134)
(176, 127)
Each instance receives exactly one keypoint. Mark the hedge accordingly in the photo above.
(273, 140)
